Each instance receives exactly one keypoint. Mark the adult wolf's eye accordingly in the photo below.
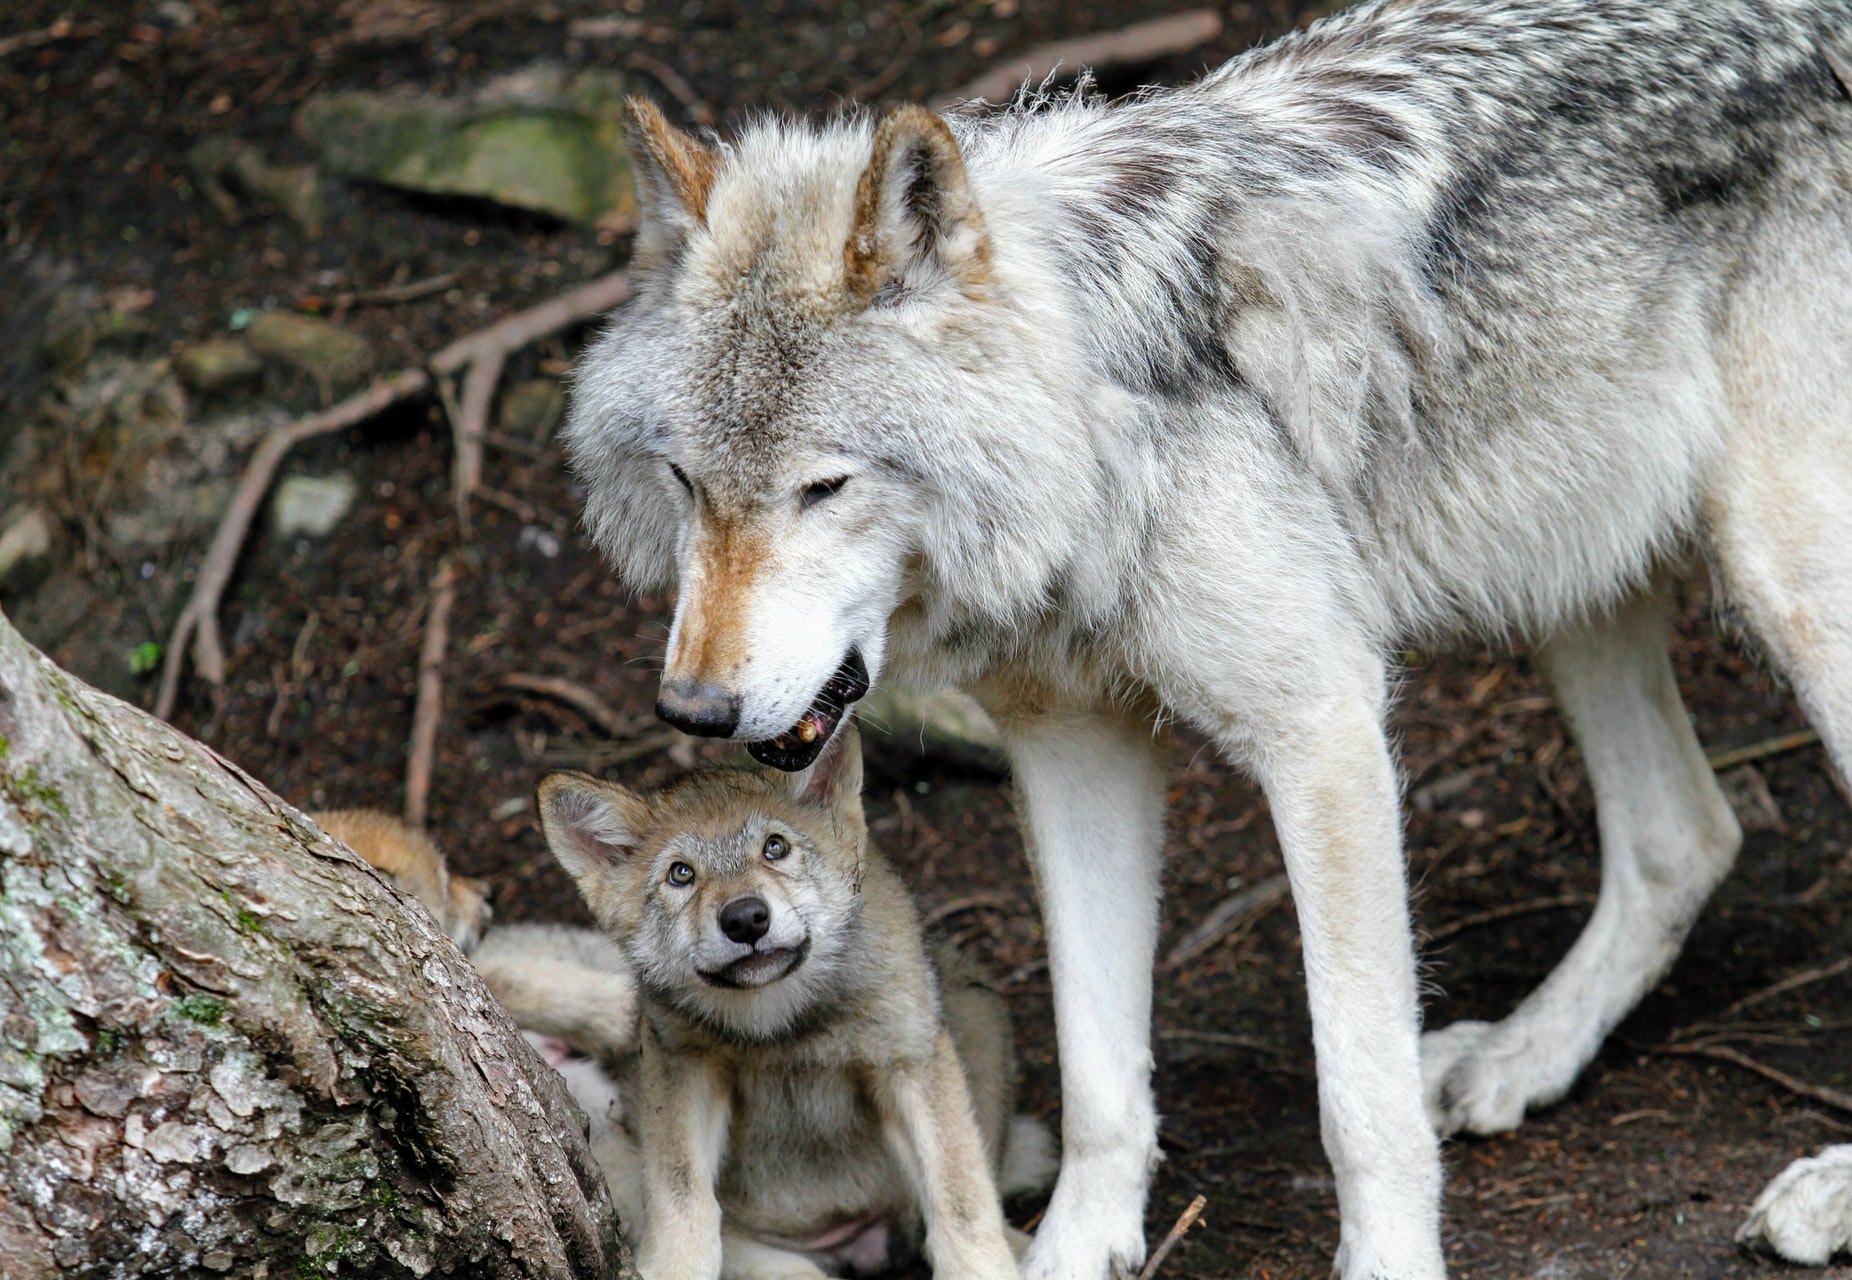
(815, 493)
(681, 874)
(775, 848)
(681, 478)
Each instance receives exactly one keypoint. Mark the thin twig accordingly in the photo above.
(971, 902)
(199, 621)
(1493, 915)
(1762, 750)
(430, 701)
(1140, 42)
(1228, 915)
(574, 695)
(1185, 1221)
(468, 424)
(62, 29)
(1800, 978)
(1724, 1053)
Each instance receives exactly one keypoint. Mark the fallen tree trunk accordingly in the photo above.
(226, 1047)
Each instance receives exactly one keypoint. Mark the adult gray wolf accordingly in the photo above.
(812, 1088)
(1435, 318)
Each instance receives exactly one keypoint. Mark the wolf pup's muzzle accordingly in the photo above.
(797, 747)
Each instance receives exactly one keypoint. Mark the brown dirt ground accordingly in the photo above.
(1644, 1171)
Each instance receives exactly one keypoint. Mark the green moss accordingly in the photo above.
(208, 1011)
(247, 920)
(29, 788)
(105, 1042)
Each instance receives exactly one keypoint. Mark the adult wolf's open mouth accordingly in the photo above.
(804, 741)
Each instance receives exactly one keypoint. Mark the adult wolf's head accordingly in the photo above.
(825, 401)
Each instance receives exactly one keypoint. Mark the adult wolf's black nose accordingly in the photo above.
(745, 919)
(698, 708)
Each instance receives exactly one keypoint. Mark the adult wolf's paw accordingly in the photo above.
(1094, 1229)
(1469, 1084)
(1805, 1214)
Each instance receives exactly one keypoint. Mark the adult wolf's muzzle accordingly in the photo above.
(799, 746)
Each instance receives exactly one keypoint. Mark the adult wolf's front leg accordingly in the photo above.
(1328, 776)
(1090, 790)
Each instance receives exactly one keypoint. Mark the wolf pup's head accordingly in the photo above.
(826, 401)
(734, 893)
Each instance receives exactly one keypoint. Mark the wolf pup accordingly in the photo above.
(1433, 319)
(407, 857)
(813, 1089)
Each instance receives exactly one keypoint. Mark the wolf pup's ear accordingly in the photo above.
(591, 826)
(674, 173)
(834, 779)
(915, 219)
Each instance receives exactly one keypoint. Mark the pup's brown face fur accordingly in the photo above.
(735, 894)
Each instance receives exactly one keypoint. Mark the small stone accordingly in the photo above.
(217, 1260)
(217, 364)
(312, 505)
(1754, 804)
(312, 345)
(25, 549)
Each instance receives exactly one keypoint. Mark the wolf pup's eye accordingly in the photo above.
(775, 848)
(681, 875)
(815, 493)
(681, 478)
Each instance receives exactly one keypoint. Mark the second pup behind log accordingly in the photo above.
(814, 1090)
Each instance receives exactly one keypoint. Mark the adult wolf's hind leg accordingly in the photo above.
(1667, 838)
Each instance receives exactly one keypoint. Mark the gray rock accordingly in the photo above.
(947, 723)
(540, 140)
(312, 345)
(312, 505)
(216, 364)
(25, 549)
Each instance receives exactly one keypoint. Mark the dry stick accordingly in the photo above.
(200, 616)
(198, 621)
(1185, 1221)
(430, 703)
(1723, 1053)
(467, 425)
(1227, 915)
(1763, 749)
(1494, 914)
(574, 695)
(1140, 42)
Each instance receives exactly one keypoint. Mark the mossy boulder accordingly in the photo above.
(541, 140)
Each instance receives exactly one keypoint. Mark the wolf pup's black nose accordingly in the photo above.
(697, 708)
(745, 919)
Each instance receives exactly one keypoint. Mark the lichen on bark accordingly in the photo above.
(228, 1048)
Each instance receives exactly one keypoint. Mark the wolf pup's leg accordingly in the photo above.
(1324, 762)
(684, 1120)
(926, 1111)
(743, 1258)
(1805, 1214)
(1667, 839)
(1091, 793)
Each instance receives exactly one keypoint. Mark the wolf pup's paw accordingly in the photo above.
(1470, 1086)
(1805, 1214)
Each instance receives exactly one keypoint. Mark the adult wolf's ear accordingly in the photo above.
(914, 214)
(674, 173)
(592, 826)
(834, 779)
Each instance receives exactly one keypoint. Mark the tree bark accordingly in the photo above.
(228, 1048)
